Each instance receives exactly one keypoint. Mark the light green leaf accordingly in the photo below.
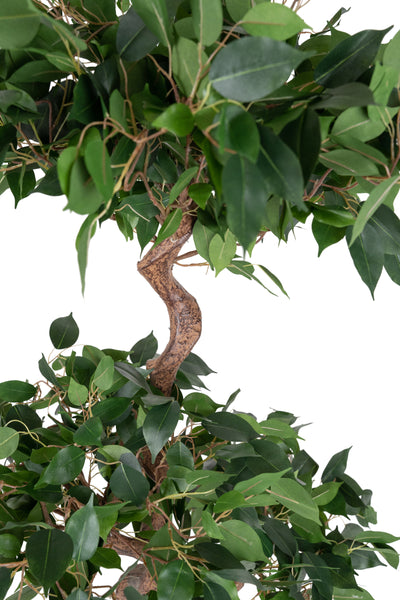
(83, 195)
(384, 192)
(83, 238)
(251, 68)
(184, 179)
(259, 484)
(159, 425)
(98, 164)
(175, 580)
(292, 495)
(77, 393)
(325, 493)
(177, 118)
(104, 374)
(222, 251)
(272, 20)
(210, 526)
(348, 162)
(9, 440)
(200, 193)
(186, 64)
(376, 537)
(207, 20)
(202, 237)
(351, 594)
(107, 516)
(19, 23)
(241, 540)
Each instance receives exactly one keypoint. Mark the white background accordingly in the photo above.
(330, 354)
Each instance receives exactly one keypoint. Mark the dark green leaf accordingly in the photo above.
(213, 591)
(131, 593)
(132, 374)
(134, 39)
(159, 425)
(21, 183)
(86, 104)
(64, 332)
(5, 581)
(143, 350)
(392, 266)
(175, 579)
(319, 573)
(367, 252)
(65, 466)
(281, 535)
(179, 454)
(281, 169)
(83, 238)
(303, 136)
(170, 226)
(184, 179)
(84, 530)
(49, 553)
(336, 466)
(350, 58)
(386, 191)
(98, 164)
(107, 558)
(333, 215)
(250, 68)
(16, 391)
(112, 410)
(326, 235)
(9, 546)
(229, 426)
(128, 484)
(245, 194)
(48, 372)
(346, 96)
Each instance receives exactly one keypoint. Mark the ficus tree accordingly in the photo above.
(220, 121)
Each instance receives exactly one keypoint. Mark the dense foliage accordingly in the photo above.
(99, 464)
(141, 111)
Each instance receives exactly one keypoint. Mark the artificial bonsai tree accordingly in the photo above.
(224, 122)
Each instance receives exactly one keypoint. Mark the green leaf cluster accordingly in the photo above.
(101, 462)
(142, 111)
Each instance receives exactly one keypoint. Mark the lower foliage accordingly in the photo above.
(97, 464)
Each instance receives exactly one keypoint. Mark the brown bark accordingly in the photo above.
(184, 312)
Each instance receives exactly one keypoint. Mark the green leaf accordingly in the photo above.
(155, 16)
(202, 237)
(49, 553)
(384, 192)
(9, 440)
(259, 484)
(245, 195)
(244, 136)
(351, 594)
(112, 410)
(368, 252)
(222, 250)
(48, 372)
(250, 68)
(107, 558)
(200, 193)
(241, 540)
(325, 493)
(132, 374)
(356, 123)
(184, 179)
(128, 484)
(134, 39)
(65, 466)
(207, 20)
(214, 591)
(83, 238)
(281, 535)
(348, 162)
(346, 96)
(318, 571)
(89, 433)
(295, 497)
(170, 226)
(376, 537)
(19, 23)
(21, 183)
(229, 426)
(84, 530)
(103, 376)
(16, 391)
(107, 516)
(229, 501)
(392, 267)
(273, 278)
(336, 216)
(273, 21)
(64, 332)
(159, 425)
(175, 579)
(143, 350)
(350, 58)
(200, 404)
(10, 546)
(326, 235)
(186, 64)
(84, 197)
(179, 454)
(210, 526)
(177, 118)
(77, 393)
(336, 466)
(98, 164)
(5, 581)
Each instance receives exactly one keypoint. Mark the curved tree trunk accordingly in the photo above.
(184, 312)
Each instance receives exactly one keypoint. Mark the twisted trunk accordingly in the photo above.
(184, 312)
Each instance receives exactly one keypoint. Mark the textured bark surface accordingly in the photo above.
(184, 312)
